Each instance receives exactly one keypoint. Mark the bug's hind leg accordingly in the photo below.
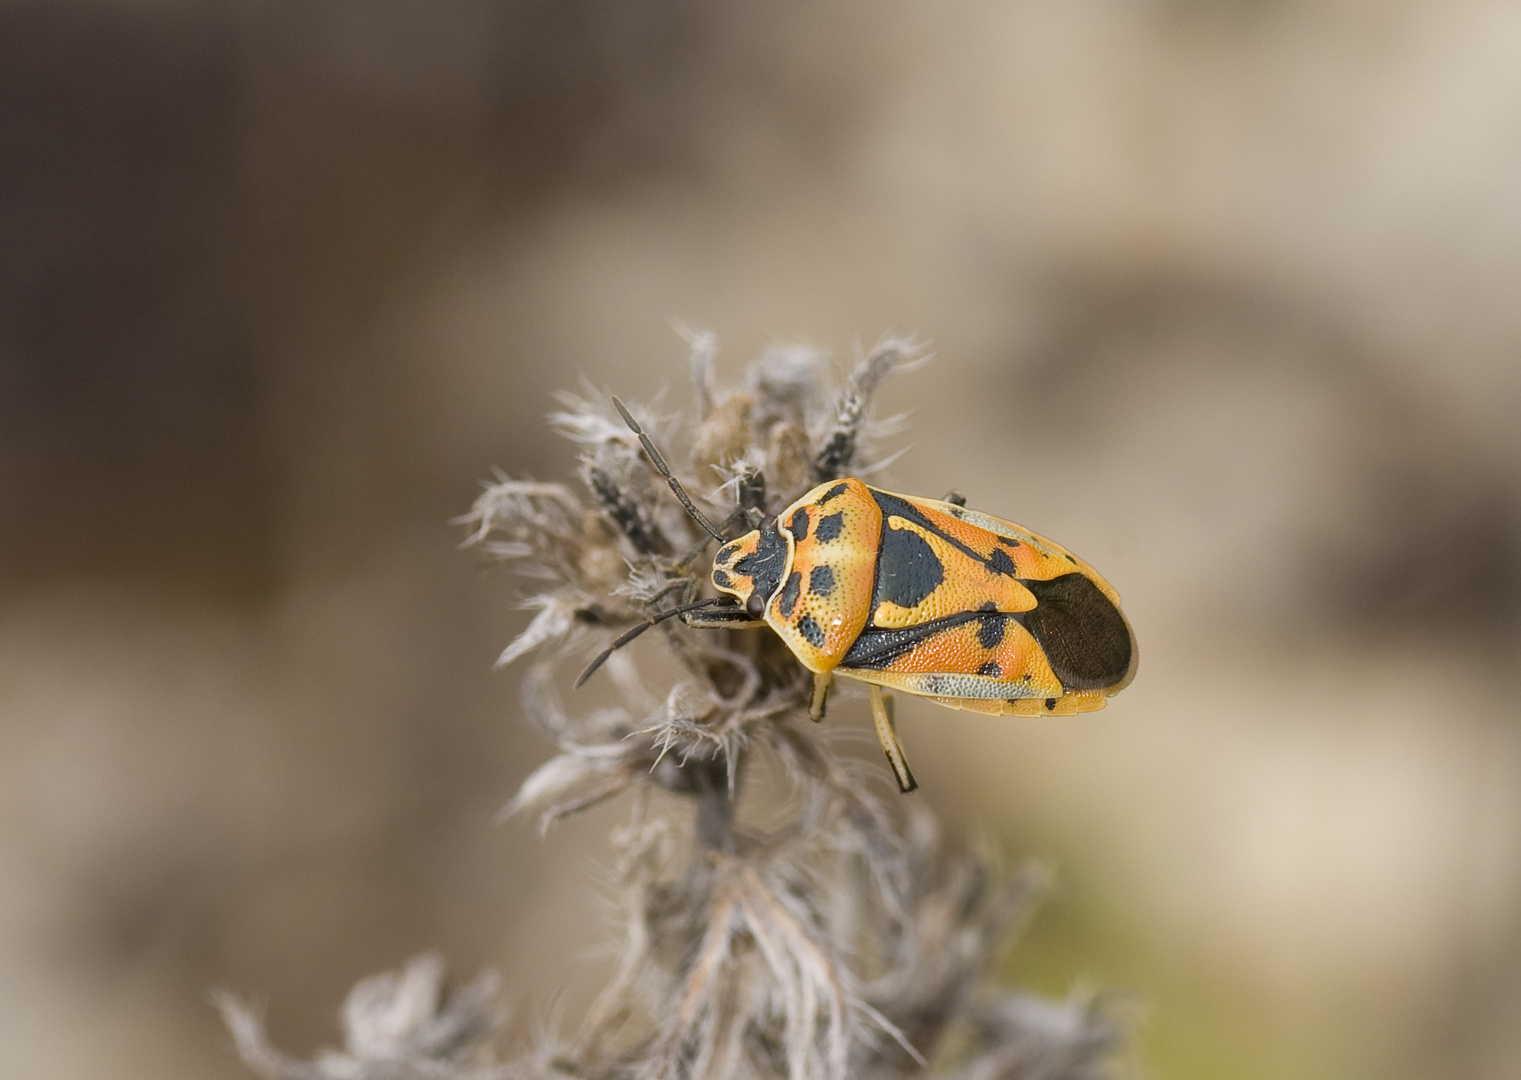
(821, 681)
(887, 735)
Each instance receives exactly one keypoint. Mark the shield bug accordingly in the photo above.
(924, 596)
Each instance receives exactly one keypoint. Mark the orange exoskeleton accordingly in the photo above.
(919, 595)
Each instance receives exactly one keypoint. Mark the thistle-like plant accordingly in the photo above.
(781, 917)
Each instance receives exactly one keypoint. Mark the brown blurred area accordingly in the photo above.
(1223, 297)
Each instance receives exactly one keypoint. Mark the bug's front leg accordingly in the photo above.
(887, 735)
(821, 681)
(721, 618)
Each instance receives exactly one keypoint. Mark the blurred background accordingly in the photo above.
(1224, 297)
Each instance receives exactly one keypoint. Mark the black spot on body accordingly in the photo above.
(1050, 703)
(907, 568)
(727, 552)
(797, 525)
(991, 631)
(821, 580)
(833, 493)
(990, 669)
(1082, 633)
(723, 579)
(1000, 563)
(810, 631)
(829, 528)
(790, 594)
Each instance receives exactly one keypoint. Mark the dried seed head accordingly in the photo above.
(724, 435)
(829, 937)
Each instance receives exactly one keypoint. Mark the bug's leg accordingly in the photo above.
(697, 549)
(742, 514)
(752, 493)
(721, 619)
(887, 735)
(955, 498)
(680, 585)
(821, 681)
(653, 620)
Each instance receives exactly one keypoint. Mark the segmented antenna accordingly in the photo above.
(624, 639)
(665, 471)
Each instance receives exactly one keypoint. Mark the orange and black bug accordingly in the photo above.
(919, 595)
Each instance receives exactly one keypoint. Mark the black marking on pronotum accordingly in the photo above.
(991, 630)
(821, 580)
(991, 669)
(766, 563)
(1000, 563)
(727, 552)
(810, 631)
(829, 528)
(790, 591)
(875, 648)
(833, 493)
(723, 579)
(797, 525)
(1082, 633)
(1050, 703)
(907, 568)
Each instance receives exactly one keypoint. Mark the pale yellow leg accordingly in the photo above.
(821, 681)
(887, 735)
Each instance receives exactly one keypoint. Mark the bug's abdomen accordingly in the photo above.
(825, 597)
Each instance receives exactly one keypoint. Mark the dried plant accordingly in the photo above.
(808, 929)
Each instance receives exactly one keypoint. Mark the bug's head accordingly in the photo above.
(751, 568)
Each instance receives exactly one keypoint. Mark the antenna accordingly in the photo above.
(665, 471)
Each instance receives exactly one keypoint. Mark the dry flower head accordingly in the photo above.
(833, 933)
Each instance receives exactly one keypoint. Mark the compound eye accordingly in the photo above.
(767, 523)
(755, 606)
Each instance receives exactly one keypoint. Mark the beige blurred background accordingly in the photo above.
(1224, 296)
